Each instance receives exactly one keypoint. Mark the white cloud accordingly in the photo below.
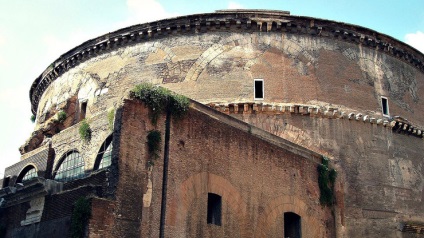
(234, 5)
(416, 40)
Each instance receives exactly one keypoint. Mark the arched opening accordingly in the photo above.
(104, 156)
(71, 167)
(292, 225)
(28, 173)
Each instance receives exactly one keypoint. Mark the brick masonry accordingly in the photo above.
(258, 181)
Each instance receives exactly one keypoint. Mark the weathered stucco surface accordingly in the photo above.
(220, 67)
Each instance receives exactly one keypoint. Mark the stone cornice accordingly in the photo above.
(396, 124)
(227, 20)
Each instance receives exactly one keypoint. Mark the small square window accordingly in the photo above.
(385, 106)
(259, 89)
(214, 209)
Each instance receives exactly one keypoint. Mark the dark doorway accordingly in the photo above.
(292, 225)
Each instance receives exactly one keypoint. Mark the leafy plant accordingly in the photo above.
(85, 131)
(326, 180)
(33, 118)
(160, 99)
(154, 139)
(110, 118)
(61, 116)
(80, 216)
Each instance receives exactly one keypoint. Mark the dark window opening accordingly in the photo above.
(83, 110)
(385, 106)
(292, 225)
(214, 209)
(259, 89)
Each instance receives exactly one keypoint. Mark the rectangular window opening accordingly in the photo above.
(214, 209)
(292, 225)
(385, 106)
(259, 89)
(83, 110)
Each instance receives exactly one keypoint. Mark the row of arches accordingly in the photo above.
(71, 164)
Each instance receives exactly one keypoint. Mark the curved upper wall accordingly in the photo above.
(215, 57)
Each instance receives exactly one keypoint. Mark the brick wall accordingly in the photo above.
(102, 218)
(258, 181)
(380, 175)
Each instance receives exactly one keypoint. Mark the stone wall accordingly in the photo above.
(221, 66)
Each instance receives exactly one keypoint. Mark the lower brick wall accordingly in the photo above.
(102, 218)
(258, 181)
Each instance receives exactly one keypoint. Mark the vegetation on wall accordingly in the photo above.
(110, 118)
(80, 216)
(85, 131)
(326, 180)
(61, 116)
(154, 140)
(33, 118)
(160, 99)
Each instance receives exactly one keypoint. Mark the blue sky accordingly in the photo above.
(33, 33)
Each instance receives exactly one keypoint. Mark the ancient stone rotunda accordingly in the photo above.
(296, 127)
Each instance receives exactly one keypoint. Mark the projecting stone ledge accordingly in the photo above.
(397, 124)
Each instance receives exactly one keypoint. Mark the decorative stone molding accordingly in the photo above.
(397, 123)
(227, 20)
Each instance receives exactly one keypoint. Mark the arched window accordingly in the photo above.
(104, 157)
(71, 167)
(27, 173)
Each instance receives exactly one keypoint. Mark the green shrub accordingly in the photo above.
(80, 216)
(326, 180)
(154, 140)
(61, 116)
(33, 118)
(85, 131)
(160, 99)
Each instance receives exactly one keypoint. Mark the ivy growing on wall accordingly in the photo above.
(154, 139)
(85, 131)
(80, 216)
(326, 180)
(160, 99)
(32, 118)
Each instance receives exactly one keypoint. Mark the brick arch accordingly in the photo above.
(24, 170)
(199, 185)
(276, 41)
(277, 207)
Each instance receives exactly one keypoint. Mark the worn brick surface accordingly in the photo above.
(257, 181)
